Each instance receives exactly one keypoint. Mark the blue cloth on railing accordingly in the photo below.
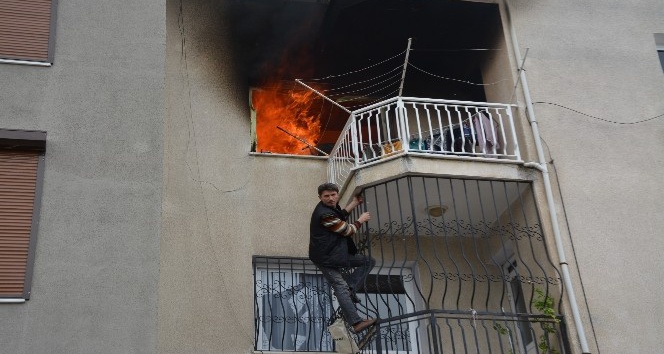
(427, 141)
(415, 143)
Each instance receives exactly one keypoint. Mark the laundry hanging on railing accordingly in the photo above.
(486, 131)
(455, 139)
(459, 139)
(478, 134)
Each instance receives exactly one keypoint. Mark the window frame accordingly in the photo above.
(659, 46)
(405, 270)
(23, 141)
(298, 265)
(294, 265)
(50, 47)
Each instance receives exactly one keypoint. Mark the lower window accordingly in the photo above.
(294, 304)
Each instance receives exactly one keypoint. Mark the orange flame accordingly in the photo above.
(290, 109)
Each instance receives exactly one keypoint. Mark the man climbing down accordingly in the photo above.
(332, 248)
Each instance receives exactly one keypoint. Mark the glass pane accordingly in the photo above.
(294, 309)
(520, 307)
(385, 297)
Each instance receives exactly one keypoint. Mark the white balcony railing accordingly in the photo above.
(426, 127)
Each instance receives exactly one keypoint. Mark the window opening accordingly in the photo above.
(385, 295)
(293, 306)
(518, 303)
(659, 42)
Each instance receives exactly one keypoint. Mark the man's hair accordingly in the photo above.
(327, 187)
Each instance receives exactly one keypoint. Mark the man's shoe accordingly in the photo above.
(364, 324)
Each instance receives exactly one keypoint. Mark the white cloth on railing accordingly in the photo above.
(486, 131)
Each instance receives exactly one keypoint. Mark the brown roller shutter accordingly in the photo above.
(18, 185)
(25, 29)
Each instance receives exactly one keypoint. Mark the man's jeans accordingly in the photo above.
(342, 287)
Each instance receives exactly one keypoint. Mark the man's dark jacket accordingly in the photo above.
(328, 248)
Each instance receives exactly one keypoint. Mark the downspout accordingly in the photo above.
(542, 166)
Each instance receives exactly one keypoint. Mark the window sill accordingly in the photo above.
(25, 62)
(11, 301)
(270, 154)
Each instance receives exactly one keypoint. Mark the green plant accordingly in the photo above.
(500, 329)
(544, 304)
(503, 331)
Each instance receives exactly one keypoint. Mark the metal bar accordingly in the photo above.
(457, 234)
(402, 122)
(321, 95)
(303, 141)
(379, 344)
(376, 105)
(513, 131)
(434, 333)
(353, 137)
(456, 102)
(405, 66)
(465, 314)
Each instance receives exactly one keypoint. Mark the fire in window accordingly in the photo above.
(459, 53)
(291, 119)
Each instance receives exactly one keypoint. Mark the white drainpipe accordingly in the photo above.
(542, 166)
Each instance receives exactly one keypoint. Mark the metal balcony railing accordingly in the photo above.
(462, 266)
(294, 305)
(428, 127)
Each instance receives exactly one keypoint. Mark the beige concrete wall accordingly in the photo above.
(94, 281)
(599, 58)
(221, 204)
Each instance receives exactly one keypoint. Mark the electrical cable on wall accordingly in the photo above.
(598, 118)
(452, 79)
(569, 230)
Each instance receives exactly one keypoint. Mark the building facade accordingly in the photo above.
(508, 152)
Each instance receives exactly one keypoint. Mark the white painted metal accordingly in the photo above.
(25, 62)
(410, 125)
(12, 301)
